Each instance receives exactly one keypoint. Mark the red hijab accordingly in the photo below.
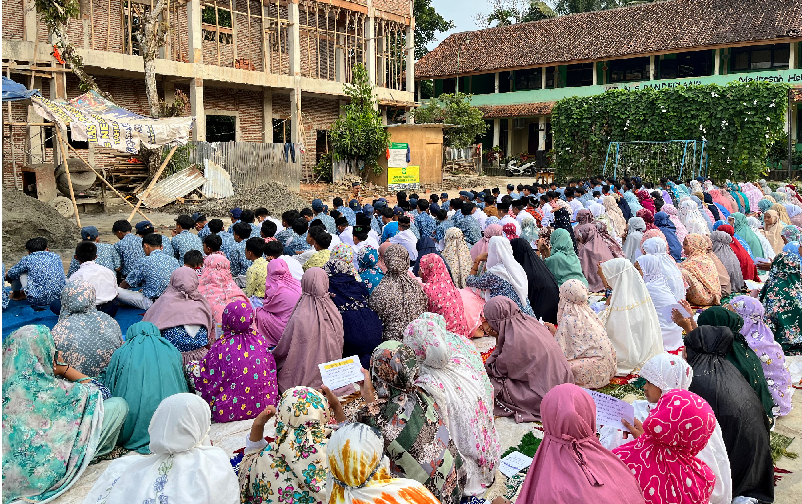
(648, 217)
(748, 267)
(646, 201)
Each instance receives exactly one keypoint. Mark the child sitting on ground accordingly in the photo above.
(129, 247)
(194, 260)
(39, 276)
(103, 279)
(256, 276)
(152, 273)
(106, 254)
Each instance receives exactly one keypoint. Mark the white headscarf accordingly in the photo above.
(691, 218)
(502, 263)
(408, 240)
(596, 209)
(296, 268)
(183, 468)
(637, 226)
(662, 297)
(671, 372)
(659, 248)
(768, 250)
(630, 318)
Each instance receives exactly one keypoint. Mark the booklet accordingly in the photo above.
(610, 411)
(341, 372)
(514, 463)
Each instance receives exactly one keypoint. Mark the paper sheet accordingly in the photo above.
(666, 310)
(610, 411)
(753, 285)
(513, 463)
(341, 372)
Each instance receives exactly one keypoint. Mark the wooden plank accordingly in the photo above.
(153, 182)
(63, 150)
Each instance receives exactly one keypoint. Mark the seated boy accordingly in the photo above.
(201, 225)
(194, 260)
(103, 279)
(212, 245)
(300, 227)
(236, 256)
(40, 274)
(320, 241)
(152, 273)
(129, 247)
(183, 239)
(106, 255)
(144, 228)
(268, 230)
(256, 275)
(226, 239)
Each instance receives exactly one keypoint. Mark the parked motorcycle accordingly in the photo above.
(515, 169)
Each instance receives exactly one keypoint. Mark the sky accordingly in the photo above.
(461, 12)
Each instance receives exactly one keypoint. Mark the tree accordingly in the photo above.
(455, 110)
(427, 23)
(151, 39)
(576, 6)
(509, 12)
(358, 137)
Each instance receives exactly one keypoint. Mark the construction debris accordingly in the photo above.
(173, 187)
(274, 196)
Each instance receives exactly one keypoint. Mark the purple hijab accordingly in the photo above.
(282, 293)
(761, 340)
(240, 365)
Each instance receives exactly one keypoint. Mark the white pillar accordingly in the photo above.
(339, 59)
(196, 106)
(294, 47)
(652, 68)
(29, 21)
(496, 131)
(371, 44)
(794, 111)
(595, 75)
(496, 89)
(195, 32)
(267, 115)
(792, 57)
(717, 62)
(543, 78)
(410, 57)
(509, 136)
(541, 133)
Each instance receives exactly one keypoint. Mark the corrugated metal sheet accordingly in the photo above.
(173, 187)
(218, 181)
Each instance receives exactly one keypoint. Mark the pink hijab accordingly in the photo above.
(217, 285)
(282, 292)
(382, 249)
(652, 233)
(592, 252)
(480, 247)
(673, 215)
(571, 465)
(444, 298)
(663, 459)
(314, 335)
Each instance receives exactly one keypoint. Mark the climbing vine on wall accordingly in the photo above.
(739, 121)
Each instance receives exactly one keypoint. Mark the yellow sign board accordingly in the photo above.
(403, 178)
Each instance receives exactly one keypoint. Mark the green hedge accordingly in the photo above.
(740, 122)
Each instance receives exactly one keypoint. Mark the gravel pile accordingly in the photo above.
(25, 218)
(274, 196)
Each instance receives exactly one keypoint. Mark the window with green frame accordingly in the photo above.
(628, 70)
(687, 64)
(530, 78)
(764, 57)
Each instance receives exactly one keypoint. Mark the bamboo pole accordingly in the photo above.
(217, 32)
(108, 29)
(264, 37)
(107, 182)
(153, 182)
(63, 150)
(250, 49)
(91, 23)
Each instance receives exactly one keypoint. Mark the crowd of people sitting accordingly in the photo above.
(596, 282)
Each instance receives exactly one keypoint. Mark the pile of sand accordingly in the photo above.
(25, 218)
(274, 196)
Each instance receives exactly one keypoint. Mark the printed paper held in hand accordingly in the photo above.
(610, 411)
(341, 372)
(513, 463)
(668, 310)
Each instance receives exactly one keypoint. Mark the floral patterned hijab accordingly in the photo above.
(369, 269)
(444, 298)
(217, 285)
(398, 299)
(342, 261)
(458, 256)
(51, 427)
(700, 272)
(293, 467)
(780, 297)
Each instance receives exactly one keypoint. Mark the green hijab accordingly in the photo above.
(780, 297)
(563, 261)
(741, 355)
(743, 230)
(51, 426)
(145, 370)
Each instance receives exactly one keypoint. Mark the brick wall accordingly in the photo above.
(13, 21)
(247, 103)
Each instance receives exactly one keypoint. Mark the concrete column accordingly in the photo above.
(381, 66)
(509, 136)
(794, 110)
(595, 75)
(196, 106)
(496, 131)
(497, 85)
(792, 57)
(342, 104)
(35, 138)
(267, 115)
(717, 61)
(652, 68)
(384, 116)
(169, 92)
(543, 78)
(541, 133)
(370, 37)
(29, 20)
(195, 34)
(339, 59)
(410, 63)
(294, 46)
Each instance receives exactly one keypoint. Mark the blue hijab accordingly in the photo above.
(792, 248)
(664, 224)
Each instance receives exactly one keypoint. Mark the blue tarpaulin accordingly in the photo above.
(14, 91)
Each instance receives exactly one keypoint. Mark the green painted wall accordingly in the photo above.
(546, 95)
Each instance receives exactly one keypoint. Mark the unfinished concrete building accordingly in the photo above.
(255, 70)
